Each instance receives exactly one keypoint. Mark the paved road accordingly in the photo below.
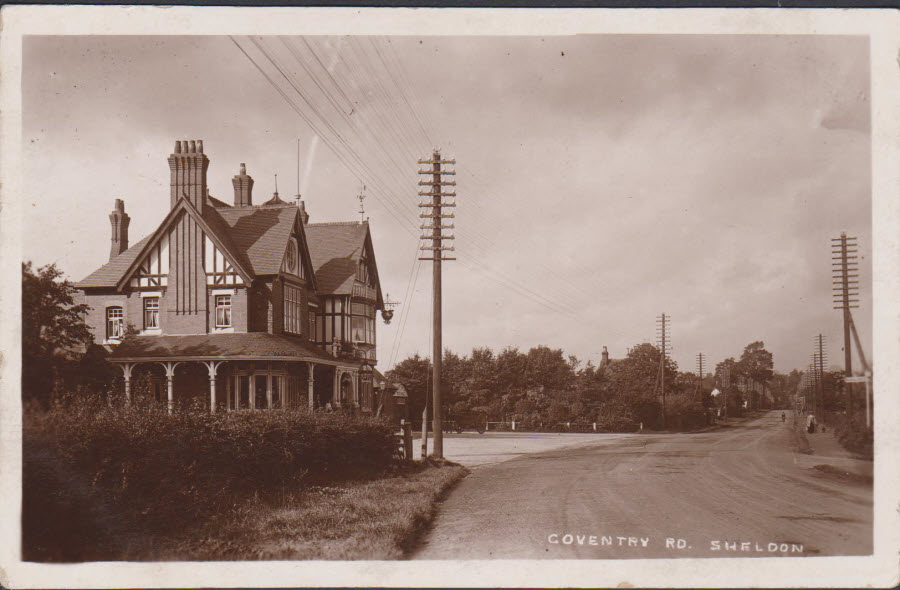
(742, 489)
(475, 450)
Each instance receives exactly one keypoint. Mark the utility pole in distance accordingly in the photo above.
(664, 323)
(436, 249)
(820, 371)
(700, 374)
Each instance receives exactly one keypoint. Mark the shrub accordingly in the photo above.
(181, 467)
(852, 433)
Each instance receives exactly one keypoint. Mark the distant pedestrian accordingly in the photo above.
(811, 424)
(783, 417)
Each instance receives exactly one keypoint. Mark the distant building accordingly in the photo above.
(249, 304)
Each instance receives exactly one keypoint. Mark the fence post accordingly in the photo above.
(513, 424)
(407, 440)
(595, 427)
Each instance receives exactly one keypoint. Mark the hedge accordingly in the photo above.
(182, 466)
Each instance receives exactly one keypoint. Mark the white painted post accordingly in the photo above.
(513, 424)
(336, 393)
(212, 367)
(868, 393)
(595, 427)
(170, 391)
(169, 366)
(126, 370)
(310, 385)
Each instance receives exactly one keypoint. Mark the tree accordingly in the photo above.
(53, 329)
(756, 364)
(414, 373)
(548, 369)
(634, 379)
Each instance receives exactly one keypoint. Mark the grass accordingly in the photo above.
(376, 519)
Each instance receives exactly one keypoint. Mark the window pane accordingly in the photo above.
(359, 329)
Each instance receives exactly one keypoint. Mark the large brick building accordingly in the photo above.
(250, 304)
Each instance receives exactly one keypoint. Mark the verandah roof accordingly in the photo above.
(243, 346)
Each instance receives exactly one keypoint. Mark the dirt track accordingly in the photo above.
(669, 495)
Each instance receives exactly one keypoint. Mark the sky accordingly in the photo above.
(602, 179)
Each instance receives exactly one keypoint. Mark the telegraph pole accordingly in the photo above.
(700, 374)
(436, 250)
(663, 322)
(820, 372)
(845, 283)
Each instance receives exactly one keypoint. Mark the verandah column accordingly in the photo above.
(126, 370)
(310, 385)
(169, 366)
(336, 388)
(212, 367)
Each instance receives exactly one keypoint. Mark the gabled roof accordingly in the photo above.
(109, 274)
(218, 237)
(262, 233)
(336, 249)
(117, 271)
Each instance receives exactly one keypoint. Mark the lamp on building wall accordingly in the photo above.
(387, 312)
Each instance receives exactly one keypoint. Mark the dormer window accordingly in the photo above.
(293, 263)
(290, 258)
(115, 323)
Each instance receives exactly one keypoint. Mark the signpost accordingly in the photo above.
(867, 379)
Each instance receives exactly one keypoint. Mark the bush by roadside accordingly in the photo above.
(852, 433)
(139, 470)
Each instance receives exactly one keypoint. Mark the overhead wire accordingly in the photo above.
(393, 207)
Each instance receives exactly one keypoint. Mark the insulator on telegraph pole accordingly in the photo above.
(433, 245)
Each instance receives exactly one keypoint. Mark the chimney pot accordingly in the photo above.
(200, 146)
(243, 188)
(188, 173)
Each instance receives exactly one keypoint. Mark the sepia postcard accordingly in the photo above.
(466, 297)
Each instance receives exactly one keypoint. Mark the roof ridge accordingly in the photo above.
(338, 223)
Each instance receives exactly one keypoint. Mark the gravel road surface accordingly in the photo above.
(741, 491)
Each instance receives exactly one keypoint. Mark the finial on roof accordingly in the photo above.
(362, 208)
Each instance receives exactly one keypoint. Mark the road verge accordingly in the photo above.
(376, 519)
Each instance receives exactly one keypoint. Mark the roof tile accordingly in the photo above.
(335, 249)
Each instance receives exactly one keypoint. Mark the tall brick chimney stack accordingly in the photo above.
(119, 221)
(243, 188)
(187, 167)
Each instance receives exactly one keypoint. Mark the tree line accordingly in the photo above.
(546, 389)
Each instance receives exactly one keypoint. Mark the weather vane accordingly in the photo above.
(362, 209)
